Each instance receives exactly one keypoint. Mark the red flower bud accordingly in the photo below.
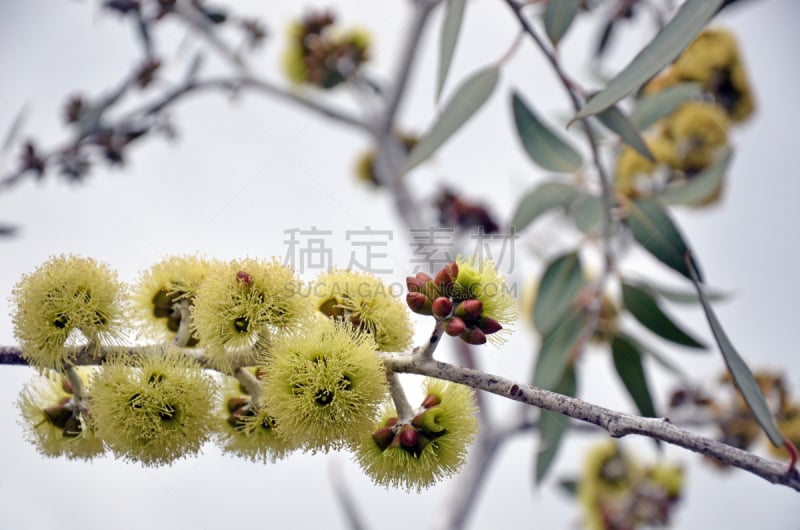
(419, 303)
(455, 327)
(469, 309)
(408, 436)
(245, 278)
(442, 307)
(474, 336)
(489, 325)
(431, 400)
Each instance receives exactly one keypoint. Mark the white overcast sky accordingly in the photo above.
(243, 172)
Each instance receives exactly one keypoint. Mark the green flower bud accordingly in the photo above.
(324, 385)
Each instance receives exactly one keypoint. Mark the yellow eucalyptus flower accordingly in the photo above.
(154, 407)
(52, 421)
(324, 385)
(368, 304)
(247, 430)
(480, 280)
(166, 283)
(415, 453)
(633, 170)
(66, 302)
(243, 304)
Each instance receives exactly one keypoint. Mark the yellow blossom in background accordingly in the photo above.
(68, 301)
(634, 173)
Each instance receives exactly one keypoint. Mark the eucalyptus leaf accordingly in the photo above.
(649, 109)
(587, 211)
(466, 100)
(628, 363)
(561, 284)
(558, 17)
(451, 27)
(569, 486)
(742, 376)
(647, 311)
(673, 38)
(658, 357)
(552, 427)
(617, 121)
(544, 146)
(556, 350)
(653, 228)
(701, 187)
(676, 295)
(541, 199)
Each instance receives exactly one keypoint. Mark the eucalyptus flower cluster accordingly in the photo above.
(695, 136)
(246, 354)
(616, 492)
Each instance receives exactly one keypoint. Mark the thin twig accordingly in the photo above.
(250, 383)
(617, 423)
(402, 406)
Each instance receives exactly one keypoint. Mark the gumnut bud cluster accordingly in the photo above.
(459, 298)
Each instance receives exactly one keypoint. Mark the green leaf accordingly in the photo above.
(541, 199)
(617, 121)
(650, 109)
(653, 228)
(628, 363)
(561, 283)
(543, 145)
(701, 187)
(556, 351)
(675, 295)
(587, 211)
(647, 311)
(552, 427)
(558, 17)
(451, 27)
(468, 98)
(673, 38)
(658, 357)
(569, 486)
(742, 376)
